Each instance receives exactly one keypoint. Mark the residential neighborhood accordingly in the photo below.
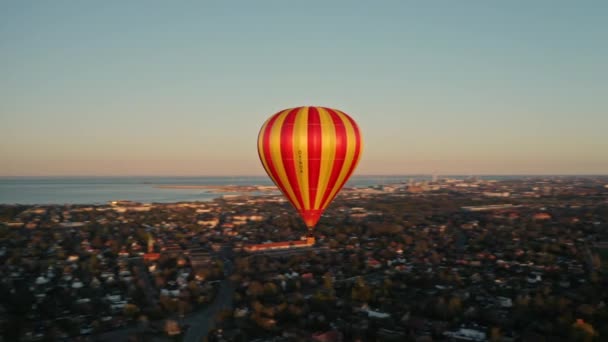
(444, 260)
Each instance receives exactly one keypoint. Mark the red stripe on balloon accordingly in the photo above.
(288, 154)
(341, 144)
(357, 150)
(314, 153)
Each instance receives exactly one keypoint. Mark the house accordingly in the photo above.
(534, 278)
(504, 302)
(241, 312)
(373, 263)
(541, 217)
(212, 222)
(151, 256)
(376, 314)
(466, 334)
(328, 336)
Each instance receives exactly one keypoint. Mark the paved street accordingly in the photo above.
(200, 322)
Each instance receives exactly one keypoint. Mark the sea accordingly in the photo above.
(100, 190)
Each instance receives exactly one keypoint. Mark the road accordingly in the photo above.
(200, 322)
(149, 290)
(203, 321)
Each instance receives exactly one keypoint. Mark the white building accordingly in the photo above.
(466, 334)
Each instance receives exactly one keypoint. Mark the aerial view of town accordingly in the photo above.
(303, 171)
(522, 259)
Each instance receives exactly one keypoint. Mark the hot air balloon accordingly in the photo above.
(309, 153)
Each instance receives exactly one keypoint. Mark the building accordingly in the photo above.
(308, 242)
(151, 255)
(490, 207)
(541, 217)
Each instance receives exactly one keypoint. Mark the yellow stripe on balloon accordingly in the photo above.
(348, 157)
(328, 151)
(277, 160)
(300, 146)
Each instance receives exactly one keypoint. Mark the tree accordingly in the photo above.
(387, 286)
(257, 306)
(435, 258)
(407, 239)
(597, 261)
(539, 301)
(422, 246)
(270, 288)
(168, 304)
(295, 310)
(183, 307)
(328, 281)
(361, 291)
(495, 334)
(522, 301)
(441, 308)
(223, 316)
(255, 289)
(130, 310)
(454, 306)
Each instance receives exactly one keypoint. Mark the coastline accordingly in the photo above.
(219, 188)
(100, 190)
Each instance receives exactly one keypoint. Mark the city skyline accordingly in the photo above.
(150, 89)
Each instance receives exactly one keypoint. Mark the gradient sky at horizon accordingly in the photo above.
(182, 88)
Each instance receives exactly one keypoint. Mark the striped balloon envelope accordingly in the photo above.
(309, 153)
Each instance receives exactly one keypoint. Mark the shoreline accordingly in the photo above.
(220, 188)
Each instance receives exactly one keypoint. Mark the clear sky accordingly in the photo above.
(182, 88)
